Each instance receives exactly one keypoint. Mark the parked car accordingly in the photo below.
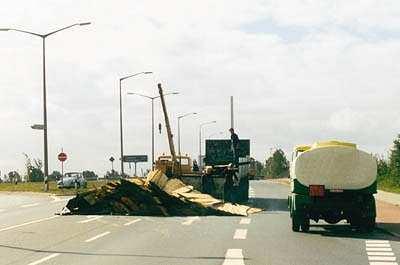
(72, 180)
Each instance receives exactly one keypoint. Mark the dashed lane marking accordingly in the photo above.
(29, 205)
(28, 223)
(386, 245)
(132, 222)
(97, 237)
(380, 252)
(240, 234)
(57, 199)
(234, 256)
(190, 220)
(90, 219)
(44, 259)
(245, 221)
(379, 249)
(383, 263)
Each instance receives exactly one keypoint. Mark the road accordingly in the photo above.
(31, 234)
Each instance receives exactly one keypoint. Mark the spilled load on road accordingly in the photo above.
(155, 196)
(332, 181)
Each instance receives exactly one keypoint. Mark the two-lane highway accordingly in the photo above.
(34, 235)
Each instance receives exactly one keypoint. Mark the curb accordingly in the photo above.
(387, 231)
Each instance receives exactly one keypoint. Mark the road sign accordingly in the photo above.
(62, 156)
(112, 159)
(135, 158)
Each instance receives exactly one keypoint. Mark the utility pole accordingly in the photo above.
(232, 120)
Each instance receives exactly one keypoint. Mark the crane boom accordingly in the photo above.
(167, 125)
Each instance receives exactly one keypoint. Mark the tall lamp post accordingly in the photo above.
(44, 36)
(152, 119)
(120, 117)
(200, 128)
(179, 129)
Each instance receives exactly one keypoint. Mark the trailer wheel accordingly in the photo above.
(295, 225)
(368, 224)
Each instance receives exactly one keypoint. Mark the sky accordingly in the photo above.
(299, 71)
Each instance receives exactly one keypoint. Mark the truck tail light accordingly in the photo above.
(317, 190)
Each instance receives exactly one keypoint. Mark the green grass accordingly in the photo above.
(38, 187)
(387, 184)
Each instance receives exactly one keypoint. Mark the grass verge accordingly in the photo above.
(38, 187)
(388, 185)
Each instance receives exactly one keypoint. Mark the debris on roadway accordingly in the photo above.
(157, 195)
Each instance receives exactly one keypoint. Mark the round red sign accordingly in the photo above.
(62, 157)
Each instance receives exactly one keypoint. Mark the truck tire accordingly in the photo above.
(295, 225)
(368, 224)
(305, 225)
(244, 189)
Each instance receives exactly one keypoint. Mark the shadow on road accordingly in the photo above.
(346, 231)
(269, 204)
(108, 254)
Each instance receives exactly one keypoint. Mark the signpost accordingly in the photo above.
(135, 159)
(112, 164)
(62, 157)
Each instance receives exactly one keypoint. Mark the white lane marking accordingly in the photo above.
(383, 245)
(245, 221)
(379, 249)
(44, 259)
(2, 210)
(379, 258)
(91, 218)
(190, 220)
(28, 223)
(380, 253)
(233, 256)
(29, 205)
(132, 222)
(240, 234)
(57, 199)
(383, 263)
(97, 237)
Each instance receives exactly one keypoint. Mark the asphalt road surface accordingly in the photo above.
(31, 234)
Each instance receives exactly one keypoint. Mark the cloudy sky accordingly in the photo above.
(299, 71)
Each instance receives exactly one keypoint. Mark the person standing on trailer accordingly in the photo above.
(235, 147)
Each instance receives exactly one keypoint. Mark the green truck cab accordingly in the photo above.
(332, 181)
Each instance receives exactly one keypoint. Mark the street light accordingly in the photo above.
(179, 129)
(200, 127)
(152, 119)
(44, 36)
(120, 117)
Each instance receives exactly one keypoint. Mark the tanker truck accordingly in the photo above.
(332, 181)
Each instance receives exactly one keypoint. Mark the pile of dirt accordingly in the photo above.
(155, 196)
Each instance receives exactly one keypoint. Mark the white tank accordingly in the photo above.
(337, 165)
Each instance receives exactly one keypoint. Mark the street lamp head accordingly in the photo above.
(5, 29)
(146, 73)
(84, 23)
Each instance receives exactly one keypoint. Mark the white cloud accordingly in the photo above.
(332, 82)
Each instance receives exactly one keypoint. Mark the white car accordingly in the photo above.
(72, 180)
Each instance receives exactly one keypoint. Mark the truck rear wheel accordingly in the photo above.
(305, 225)
(295, 225)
